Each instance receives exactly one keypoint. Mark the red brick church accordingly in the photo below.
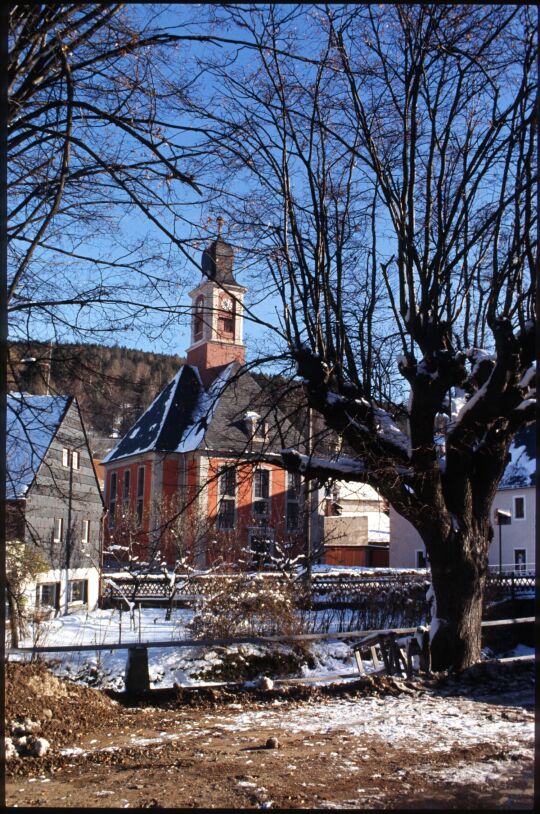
(199, 475)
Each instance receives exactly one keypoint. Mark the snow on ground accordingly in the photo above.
(480, 772)
(167, 665)
(443, 722)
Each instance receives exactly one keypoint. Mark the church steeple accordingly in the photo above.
(217, 312)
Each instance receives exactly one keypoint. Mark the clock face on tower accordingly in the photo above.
(226, 304)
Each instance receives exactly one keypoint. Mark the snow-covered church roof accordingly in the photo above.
(32, 423)
(521, 470)
(185, 417)
(173, 421)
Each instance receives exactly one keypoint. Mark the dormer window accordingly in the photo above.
(198, 321)
(257, 429)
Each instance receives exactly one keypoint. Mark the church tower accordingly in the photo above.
(217, 313)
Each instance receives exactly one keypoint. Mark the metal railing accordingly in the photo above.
(336, 589)
(299, 637)
(508, 568)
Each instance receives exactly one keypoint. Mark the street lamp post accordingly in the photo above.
(503, 519)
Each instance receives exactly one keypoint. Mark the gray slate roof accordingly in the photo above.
(32, 423)
(185, 417)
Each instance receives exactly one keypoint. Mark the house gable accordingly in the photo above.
(32, 424)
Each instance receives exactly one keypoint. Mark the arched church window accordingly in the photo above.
(198, 321)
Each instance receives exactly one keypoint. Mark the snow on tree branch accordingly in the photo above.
(343, 467)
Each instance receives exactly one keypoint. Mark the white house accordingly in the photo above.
(513, 545)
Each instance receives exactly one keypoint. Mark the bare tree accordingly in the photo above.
(98, 178)
(100, 186)
(382, 158)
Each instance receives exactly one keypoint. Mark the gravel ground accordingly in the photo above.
(436, 742)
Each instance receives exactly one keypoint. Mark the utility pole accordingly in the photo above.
(309, 506)
(68, 533)
(69, 540)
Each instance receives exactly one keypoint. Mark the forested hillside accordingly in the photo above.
(113, 385)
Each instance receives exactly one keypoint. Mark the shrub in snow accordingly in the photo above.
(23, 562)
(246, 605)
(250, 662)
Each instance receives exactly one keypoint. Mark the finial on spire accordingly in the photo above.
(219, 221)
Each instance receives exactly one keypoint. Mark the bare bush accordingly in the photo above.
(247, 605)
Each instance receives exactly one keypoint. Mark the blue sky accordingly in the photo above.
(64, 274)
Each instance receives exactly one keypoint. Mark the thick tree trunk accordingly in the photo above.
(459, 569)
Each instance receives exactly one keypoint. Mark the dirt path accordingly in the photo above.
(409, 749)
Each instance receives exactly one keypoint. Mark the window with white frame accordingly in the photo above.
(85, 537)
(47, 594)
(71, 457)
(261, 493)
(58, 531)
(294, 487)
(127, 484)
(519, 507)
(520, 559)
(257, 428)
(140, 494)
(78, 591)
(112, 498)
(227, 498)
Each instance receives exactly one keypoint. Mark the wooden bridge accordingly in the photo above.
(396, 654)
